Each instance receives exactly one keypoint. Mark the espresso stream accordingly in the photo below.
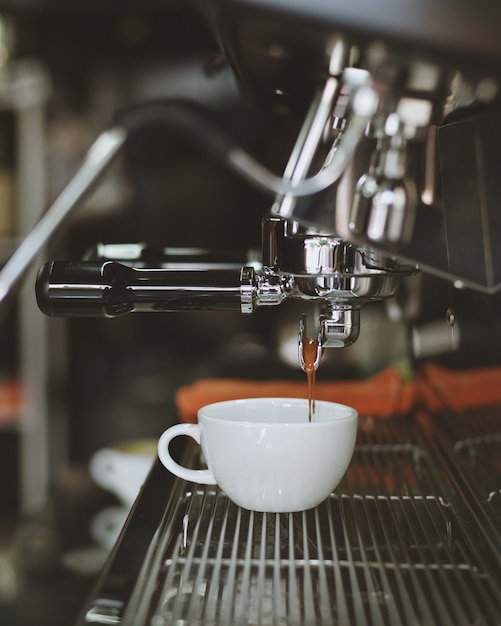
(310, 347)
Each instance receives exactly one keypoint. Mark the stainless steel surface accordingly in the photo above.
(311, 137)
(330, 270)
(321, 254)
(452, 231)
(451, 31)
(364, 104)
(397, 543)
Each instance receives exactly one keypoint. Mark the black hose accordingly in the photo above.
(181, 118)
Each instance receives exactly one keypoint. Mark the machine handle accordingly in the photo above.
(110, 289)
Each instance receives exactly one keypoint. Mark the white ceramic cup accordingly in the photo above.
(123, 467)
(265, 454)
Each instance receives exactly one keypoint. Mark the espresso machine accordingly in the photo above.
(393, 172)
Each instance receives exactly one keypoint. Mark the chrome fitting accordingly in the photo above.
(265, 289)
(339, 325)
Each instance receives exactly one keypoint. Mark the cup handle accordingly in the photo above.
(204, 477)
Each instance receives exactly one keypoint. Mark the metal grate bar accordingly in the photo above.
(387, 548)
(293, 595)
(413, 524)
(389, 507)
(357, 587)
(382, 508)
(341, 591)
(323, 582)
(477, 447)
(426, 519)
(242, 599)
(454, 582)
(219, 566)
(270, 590)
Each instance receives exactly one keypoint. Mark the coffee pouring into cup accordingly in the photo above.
(265, 454)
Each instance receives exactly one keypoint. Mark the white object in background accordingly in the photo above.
(123, 467)
(106, 526)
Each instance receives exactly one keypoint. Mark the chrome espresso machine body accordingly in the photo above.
(393, 172)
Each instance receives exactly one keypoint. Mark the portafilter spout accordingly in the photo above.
(309, 349)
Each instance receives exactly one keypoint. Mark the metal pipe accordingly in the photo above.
(99, 157)
(110, 289)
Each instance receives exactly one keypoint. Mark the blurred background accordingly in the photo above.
(69, 388)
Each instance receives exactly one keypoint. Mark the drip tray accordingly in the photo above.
(397, 543)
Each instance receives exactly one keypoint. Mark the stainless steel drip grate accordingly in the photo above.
(476, 439)
(386, 548)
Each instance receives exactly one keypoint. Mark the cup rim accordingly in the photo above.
(351, 414)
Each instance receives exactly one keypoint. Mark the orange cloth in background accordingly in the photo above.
(11, 402)
(440, 388)
(382, 396)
